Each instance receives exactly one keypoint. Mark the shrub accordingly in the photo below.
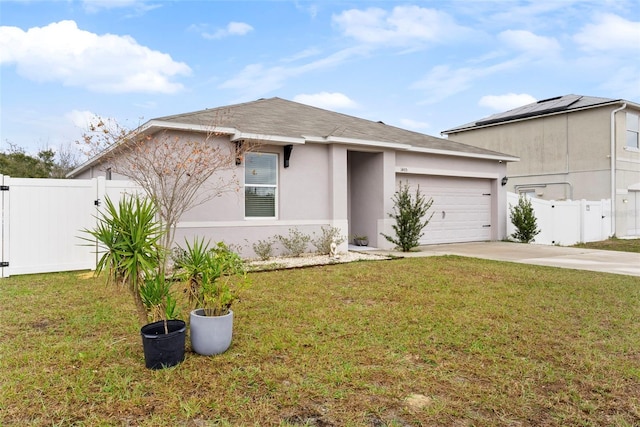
(324, 240)
(524, 219)
(213, 277)
(408, 212)
(264, 249)
(129, 240)
(295, 243)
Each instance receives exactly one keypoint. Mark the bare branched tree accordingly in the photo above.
(102, 133)
(177, 170)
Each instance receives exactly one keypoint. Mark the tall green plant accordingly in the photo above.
(408, 212)
(193, 261)
(524, 219)
(128, 237)
(157, 298)
(213, 277)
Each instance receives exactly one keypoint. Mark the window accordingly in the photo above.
(633, 130)
(108, 174)
(260, 185)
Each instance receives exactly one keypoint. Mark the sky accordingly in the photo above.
(425, 65)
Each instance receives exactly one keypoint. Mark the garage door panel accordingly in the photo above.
(461, 208)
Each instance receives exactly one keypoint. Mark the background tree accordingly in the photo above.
(67, 158)
(47, 163)
(524, 219)
(177, 172)
(408, 213)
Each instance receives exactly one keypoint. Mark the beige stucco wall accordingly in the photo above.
(564, 148)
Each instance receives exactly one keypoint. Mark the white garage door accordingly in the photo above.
(461, 208)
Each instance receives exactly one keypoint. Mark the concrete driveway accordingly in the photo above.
(626, 263)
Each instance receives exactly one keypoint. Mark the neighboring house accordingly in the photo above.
(570, 147)
(315, 167)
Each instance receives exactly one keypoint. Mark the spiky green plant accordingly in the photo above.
(128, 237)
(213, 277)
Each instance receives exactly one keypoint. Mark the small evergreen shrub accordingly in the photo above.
(295, 243)
(409, 211)
(323, 241)
(264, 249)
(524, 219)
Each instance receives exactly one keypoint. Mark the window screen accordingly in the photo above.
(260, 185)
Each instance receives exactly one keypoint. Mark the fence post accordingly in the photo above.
(4, 226)
(583, 220)
(99, 187)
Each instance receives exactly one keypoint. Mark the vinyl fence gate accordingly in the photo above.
(42, 221)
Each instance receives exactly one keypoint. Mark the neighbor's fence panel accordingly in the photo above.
(43, 219)
(4, 227)
(567, 222)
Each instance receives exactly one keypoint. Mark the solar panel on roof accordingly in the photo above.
(541, 107)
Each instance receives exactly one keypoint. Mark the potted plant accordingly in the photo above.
(360, 240)
(163, 339)
(213, 278)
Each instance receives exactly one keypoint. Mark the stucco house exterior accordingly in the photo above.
(315, 167)
(570, 147)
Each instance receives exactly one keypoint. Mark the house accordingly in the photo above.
(317, 167)
(570, 147)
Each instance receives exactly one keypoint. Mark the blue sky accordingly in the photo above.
(421, 65)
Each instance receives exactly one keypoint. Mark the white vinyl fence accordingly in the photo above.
(42, 221)
(567, 222)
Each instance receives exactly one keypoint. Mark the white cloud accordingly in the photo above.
(414, 124)
(624, 83)
(81, 119)
(506, 102)
(610, 33)
(94, 6)
(102, 63)
(404, 25)
(256, 80)
(232, 29)
(326, 100)
(443, 81)
(529, 43)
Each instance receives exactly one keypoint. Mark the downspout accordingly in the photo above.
(613, 167)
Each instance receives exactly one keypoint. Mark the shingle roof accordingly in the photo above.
(280, 117)
(546, 106)
(277, 119)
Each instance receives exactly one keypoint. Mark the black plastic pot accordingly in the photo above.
(163, 350)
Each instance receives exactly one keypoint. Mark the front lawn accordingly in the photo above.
(623, 245)
(437, 341)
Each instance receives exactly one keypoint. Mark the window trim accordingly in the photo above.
(274, 186)
(629, 129)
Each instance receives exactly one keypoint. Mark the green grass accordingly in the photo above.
(624, 245)
(484, 343)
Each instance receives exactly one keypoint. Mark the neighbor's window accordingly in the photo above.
(260, 185)
(633, 131)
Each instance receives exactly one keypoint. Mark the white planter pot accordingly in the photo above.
(210, 334)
